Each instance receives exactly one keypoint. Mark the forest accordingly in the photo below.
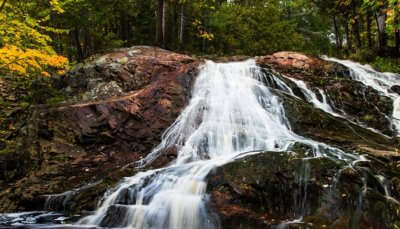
(44, 37)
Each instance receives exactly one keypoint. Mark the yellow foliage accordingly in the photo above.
(56, 6)
(206, 35)
(26, 61)
(45, 74)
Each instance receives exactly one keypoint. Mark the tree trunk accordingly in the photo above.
(397, 33)
(159, 30)
(382, 37)
(357, 35)
(348, 37)
(337, 34)
(164, 23)
(181, 25)
(369, 35)
(86, 44)
(78, 44)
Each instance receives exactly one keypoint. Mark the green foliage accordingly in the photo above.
(78, 29)
(386, 64)
(251, 31)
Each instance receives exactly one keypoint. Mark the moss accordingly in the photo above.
(368, 117)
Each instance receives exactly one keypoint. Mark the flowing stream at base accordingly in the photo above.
(231, 112)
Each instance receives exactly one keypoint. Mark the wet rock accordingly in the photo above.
(263, 190)
(362, 104)
(307, 121)
(396, 88)
(132, 95)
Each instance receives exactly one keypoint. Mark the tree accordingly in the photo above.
(25, 49)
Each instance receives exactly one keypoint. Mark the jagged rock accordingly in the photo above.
(142, 91)
(363, 104)
(260, 191)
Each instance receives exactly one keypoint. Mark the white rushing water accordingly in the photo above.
(382, 82)
(231, 112)
(323, 104)
(312, 98)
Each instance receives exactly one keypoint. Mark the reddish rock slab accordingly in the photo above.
(71, 145)
(289, 60)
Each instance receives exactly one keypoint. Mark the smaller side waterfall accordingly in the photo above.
(312, 97)
(382, 82)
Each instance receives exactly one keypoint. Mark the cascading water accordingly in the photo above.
(231, 112)
(311, 97)
(382, 82)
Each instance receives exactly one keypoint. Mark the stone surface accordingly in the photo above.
(262, 190)
(362, 104)
(140, 93)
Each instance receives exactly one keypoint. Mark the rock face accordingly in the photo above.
(119, 104)
(262, 190)
(139, 92)
(362, 104)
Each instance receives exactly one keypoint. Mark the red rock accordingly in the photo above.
(288, 60)
(108, 132)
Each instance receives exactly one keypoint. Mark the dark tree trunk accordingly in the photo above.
(369, 34)
(181, 24)
(164, 23)
(86, 44)
(348, 37)
(78, 44)
(337, 34)
(159, 29)
(357, 35)
(381, 34)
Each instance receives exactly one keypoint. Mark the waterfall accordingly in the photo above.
(382, 82)
(233, 112)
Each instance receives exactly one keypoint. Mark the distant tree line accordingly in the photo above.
(78, 29)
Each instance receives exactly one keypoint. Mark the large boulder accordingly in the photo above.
(139, 92)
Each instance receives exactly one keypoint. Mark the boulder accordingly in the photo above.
(132, 95)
